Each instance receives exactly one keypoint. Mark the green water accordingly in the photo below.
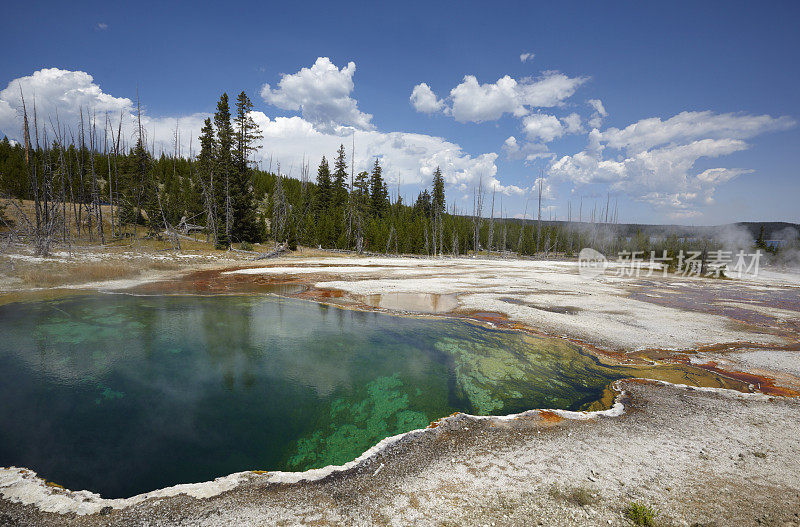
(123, 394)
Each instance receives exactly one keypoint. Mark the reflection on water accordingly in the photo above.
(412, 302)
(123, 394)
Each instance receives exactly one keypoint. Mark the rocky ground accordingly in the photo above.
(616, 312)
(699, 457)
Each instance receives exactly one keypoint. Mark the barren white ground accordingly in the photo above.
(699, 456)
(553, 297)
(712, 457)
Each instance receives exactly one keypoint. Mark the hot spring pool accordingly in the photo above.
(123, 394)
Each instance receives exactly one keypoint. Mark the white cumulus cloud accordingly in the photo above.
(542, 127)
(525, 150)
(525, 57)
(322, 94)
(408, 158)
(658, 157)
(60, 96)
(424, 100)
(597, 104)
(572, 123)
(471, 101)
(596, 120)
(687, 126)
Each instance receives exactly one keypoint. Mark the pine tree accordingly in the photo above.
(136, 171)
(377, 190)
(340, 178)
(361, 194)
(438, 205)
(224, 169)
(423, 204)
(13, 173)
(361, 184)
(438, 201)
(324, 187)
(206, 166)
(245, 225)
(150, 194)
(760, 241)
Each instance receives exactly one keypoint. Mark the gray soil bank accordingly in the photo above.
(701, 457)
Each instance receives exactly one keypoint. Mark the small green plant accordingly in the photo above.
(641, 514)
(246, 246)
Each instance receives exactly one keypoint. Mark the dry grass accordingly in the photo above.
(580, 496)
(126, 257)
(66, 274)
(16, 208)
(134, 236)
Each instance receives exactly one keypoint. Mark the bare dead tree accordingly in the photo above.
(490, 239)
(95, 184)
(477, 217)
(116, 171)
(389, 241)
(539, 220)
(505, 225)
(107, 153)
(425, 229)
(522, 228)
(455, 233)
(40, 165)
(281, 210)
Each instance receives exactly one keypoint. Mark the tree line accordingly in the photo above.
(88, 183)
(75, 176)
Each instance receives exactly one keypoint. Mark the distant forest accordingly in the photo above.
(74, 177)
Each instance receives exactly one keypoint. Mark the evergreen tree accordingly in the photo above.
(377, 190)
(324, 187)
(438, 206)
(361, 191)
(150, 191)
(423, 205)
(13, 174)
(245, 226)
(224, 171)
(340, 178)
(361, 184)
(760, 241)
(438, 193)
(136, 171)
(206, 166)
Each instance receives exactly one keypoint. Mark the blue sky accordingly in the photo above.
(713, 88)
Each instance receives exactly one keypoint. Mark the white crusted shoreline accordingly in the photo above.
(601, 312)
(551, 296)
(24, 486)
(696, 454)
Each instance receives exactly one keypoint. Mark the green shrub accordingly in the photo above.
(641, 514)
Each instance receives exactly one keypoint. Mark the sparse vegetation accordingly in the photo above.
(66, 191)
(580, 496)
(59, 274)
(641, 514)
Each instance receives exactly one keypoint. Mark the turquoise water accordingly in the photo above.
(124, 394)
